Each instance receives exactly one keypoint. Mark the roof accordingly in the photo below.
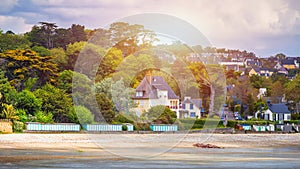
(279, 108)
(288, 62)
(149, 89)
(196, 102)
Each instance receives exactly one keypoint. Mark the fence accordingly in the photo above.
(52, 127)
(163, 127)
(102, 127)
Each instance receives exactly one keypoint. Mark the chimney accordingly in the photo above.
(148, 76)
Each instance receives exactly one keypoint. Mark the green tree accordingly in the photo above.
(55, 101)
(27, 101)
(292, 91)
(44, 117)
(10, 41)
(160, 114)
(42, 51)
(121, 96)
(105, 112)
(84, 115)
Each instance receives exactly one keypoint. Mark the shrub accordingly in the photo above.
(84, 115)
(124, 127)
(121, 119)
(18, 126)
(142, 126)
(44, 117)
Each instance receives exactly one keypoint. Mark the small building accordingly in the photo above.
(190, 108)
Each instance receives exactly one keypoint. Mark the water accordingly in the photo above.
(275, 157)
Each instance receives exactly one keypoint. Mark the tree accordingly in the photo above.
(277, 92)
(20, 65)
(10, 41)
(71, 81)
(59, 57)
(42, 51)
(43, 35)
(27, 101)
(105, 112)
(110, 62)
(121, 96)
(84, 115)
(292, 91)
(55, 101)
(160, 114)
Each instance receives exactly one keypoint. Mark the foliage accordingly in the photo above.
(121, 118)
(292, 89)
(160, 115)
(105, 112)
(44, 117)
(55, 101)
(42, 51)
(121, 96)
(27, 101)
(124, 127)
(13, 41)
(18, 126)
(20, 65)
(8, 112)
(84, 115)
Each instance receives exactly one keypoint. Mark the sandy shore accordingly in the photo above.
(18, 147)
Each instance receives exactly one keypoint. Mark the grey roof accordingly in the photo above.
(279, 108)
(196, 102)
(149, 90)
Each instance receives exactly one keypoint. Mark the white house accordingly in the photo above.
(190, 108)
(277, 112)
(153, 91)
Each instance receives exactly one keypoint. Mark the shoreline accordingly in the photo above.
(20, 147)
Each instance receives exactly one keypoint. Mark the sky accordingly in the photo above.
(265, 27)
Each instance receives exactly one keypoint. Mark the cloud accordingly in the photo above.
(245, 24)
(7, 5)
(19, 25)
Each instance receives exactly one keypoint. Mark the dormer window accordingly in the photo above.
(139, 94)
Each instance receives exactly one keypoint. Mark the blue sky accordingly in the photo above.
(266, 27)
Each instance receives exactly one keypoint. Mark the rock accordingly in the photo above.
(201, 145)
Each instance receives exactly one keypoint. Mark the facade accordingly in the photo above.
(190, 108)
(153, 91)
(276, 112)
(261, 72)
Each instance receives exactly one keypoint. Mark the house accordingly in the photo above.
(153, 91)
(276, 112)
(232, 65)
(282, 71)
(252, 63)
(261, 92)
(190, 108)
(277, 66)
(261, 72)
(290, 63)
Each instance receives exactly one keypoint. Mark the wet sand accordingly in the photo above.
(25, 148)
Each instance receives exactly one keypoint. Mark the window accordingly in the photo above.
(183, 106)
(139, 94)
(192, 114)
(191, 106)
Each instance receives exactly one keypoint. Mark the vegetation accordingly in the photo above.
(39, 80)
